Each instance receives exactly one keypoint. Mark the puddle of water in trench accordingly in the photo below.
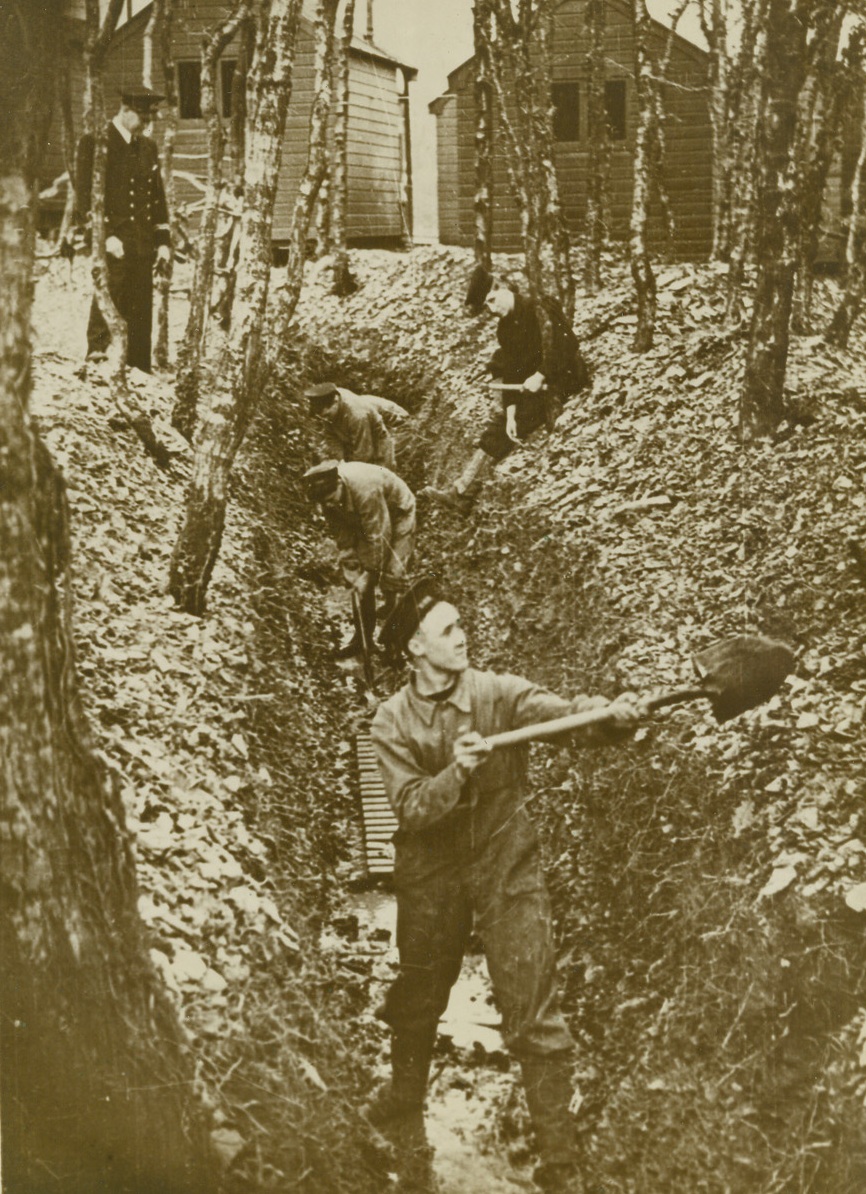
(470, 1082)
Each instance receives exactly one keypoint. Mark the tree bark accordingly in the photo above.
(163, 16)
(827, 97)
(599, 147)
(344, 281)
(94, 1060)
(483, 199)
(241, 368)
(851, 302)
(762, 396)
(183, 414)
(317, 164)
(641, 266)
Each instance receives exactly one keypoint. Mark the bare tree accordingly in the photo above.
(599, 146)
(762, 395)
(519, 44)
(317, 163)
(344, 281)
(641, 266)
(94, 1060)
(851, 302)
(222, 424)
(161, 29)
(829, 94)
(189, 358)
(483, 199)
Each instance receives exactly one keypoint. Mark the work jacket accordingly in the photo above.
(135, 207)
(375, 501)
(524, 350)
(414, 742)
(357, 431)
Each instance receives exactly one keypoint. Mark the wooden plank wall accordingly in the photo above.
(689, 144)
(448, 182)
(376, 150)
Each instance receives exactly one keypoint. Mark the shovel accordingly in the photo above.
(734, 675)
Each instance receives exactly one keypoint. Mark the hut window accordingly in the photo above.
(227, 74)
(614, 106)
(566, 111)
(189, 90)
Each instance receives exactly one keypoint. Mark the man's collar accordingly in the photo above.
(122, 129)
(426, 709)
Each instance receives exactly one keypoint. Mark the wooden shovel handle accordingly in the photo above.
(574, 721)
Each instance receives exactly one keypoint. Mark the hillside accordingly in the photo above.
(709, 881)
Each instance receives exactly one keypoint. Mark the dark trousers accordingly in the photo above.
(530, 414)
(130, 282)
(439, 901)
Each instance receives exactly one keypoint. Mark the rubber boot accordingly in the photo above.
(403, 1097)
(462, 495)
(548, 1086)
(398, 1110)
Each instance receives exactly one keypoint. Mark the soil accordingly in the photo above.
(708, 881)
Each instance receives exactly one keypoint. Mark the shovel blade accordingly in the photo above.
(742, 672)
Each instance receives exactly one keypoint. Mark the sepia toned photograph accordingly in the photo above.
(433, 597)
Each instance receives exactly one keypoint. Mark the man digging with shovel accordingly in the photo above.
(450, 747)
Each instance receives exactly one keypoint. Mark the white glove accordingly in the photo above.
(114, 246)
(163, 253)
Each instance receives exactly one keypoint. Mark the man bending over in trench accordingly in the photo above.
(467, 856)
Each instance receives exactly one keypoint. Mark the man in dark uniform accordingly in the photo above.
(137, 230)
(538, 363)
(467, 856)
(370, 512)
(352, 425)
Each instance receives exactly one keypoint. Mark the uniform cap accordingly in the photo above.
(320, 395)
(140, 98)
(321, 480)
(409, 612)
(480, 283)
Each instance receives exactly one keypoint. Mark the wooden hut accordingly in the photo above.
(379, 175)
(688, 166)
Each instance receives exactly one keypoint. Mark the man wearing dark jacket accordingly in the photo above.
(136, 221)
(537, 365)
(467, 857)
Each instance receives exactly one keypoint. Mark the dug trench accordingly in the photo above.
(716, 1029)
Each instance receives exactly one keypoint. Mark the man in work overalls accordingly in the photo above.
(370, 512)
(352, 425)
(467, 857)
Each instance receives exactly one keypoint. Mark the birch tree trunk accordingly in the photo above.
(483, 199)
(851, 302)
(599, 147)
(828, 97)
(97, 42)
(67, 125)
(762, 396)
(317, 164)
(241, 368)
(641, 266)
(344, 280)
(183, 414)
(163, 15)
(96, 1082)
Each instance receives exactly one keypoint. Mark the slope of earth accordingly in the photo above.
(709, 881)
(225, 737)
